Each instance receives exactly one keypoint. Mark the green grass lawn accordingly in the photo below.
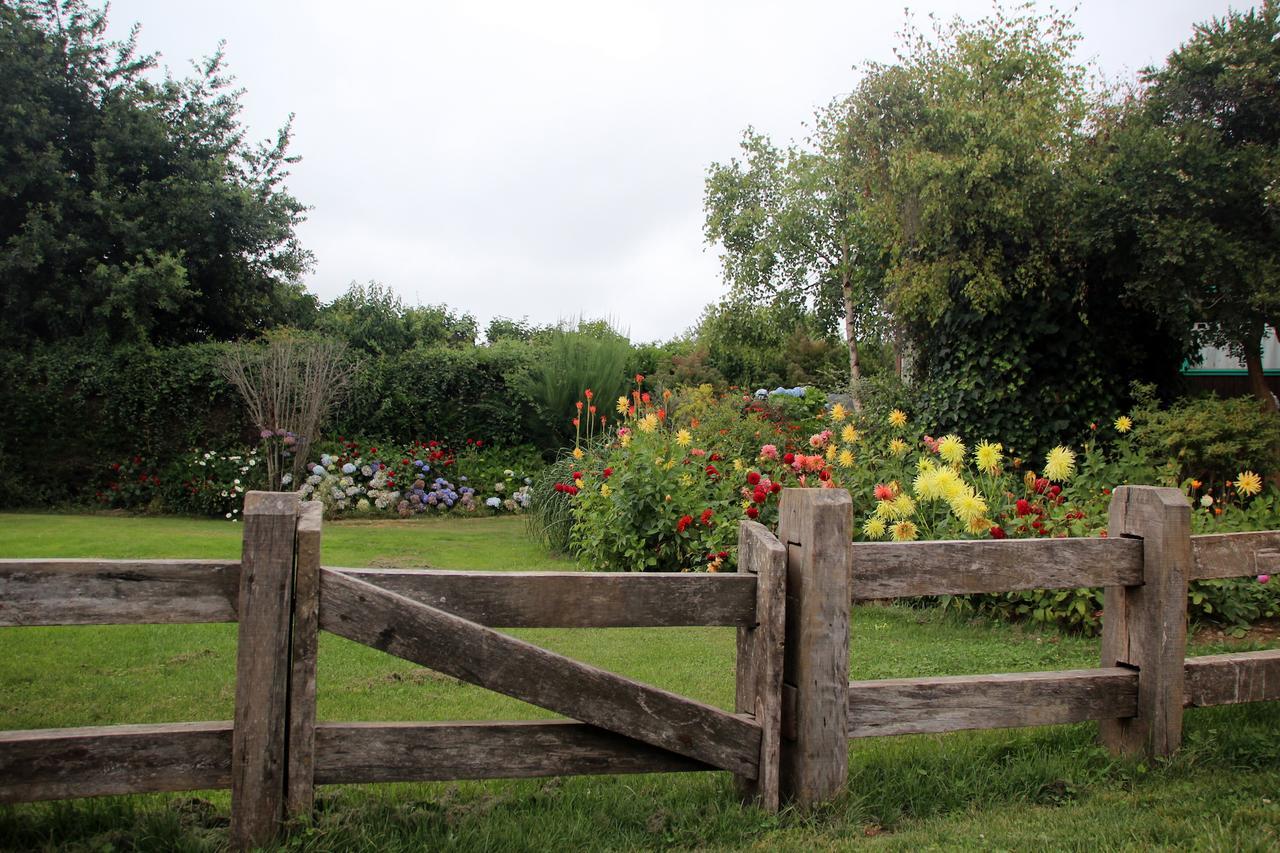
(1033, 789)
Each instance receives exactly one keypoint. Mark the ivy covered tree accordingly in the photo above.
(973, 173)
(1191, 192)
(135, 209)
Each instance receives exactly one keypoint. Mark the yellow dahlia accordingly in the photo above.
(1060, 464)
(838, 413)
(605, 491)
(846, 458)
(904, 531)
(849, 434)
(648, 423)
(903, 506)
(968, 505)
(898, 447)
(1248, 483)
(988, 456)
(623, 405)
(873, 528)
(1124, 423)
(683, 438)
(897, 418)
(951, 449)
(577, 453)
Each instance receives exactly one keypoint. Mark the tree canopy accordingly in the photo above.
(1191, 188)
(136, 209)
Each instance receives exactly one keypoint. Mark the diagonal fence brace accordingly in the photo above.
(479, 655)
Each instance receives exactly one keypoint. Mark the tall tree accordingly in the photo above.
(1193, 188)
(788, 225)
(134, 209)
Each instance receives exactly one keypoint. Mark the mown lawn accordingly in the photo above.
(1030, 789)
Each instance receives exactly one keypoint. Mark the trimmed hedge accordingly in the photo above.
(71, 410)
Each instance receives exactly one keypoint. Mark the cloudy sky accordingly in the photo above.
(546, 159)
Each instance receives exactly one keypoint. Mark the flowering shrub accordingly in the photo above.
(658, 492)
(664, 492)
(129, 484)
(417, 478)
(212, 483)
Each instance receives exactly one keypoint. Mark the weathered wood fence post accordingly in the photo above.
(816, 528)
(265, 611)
(305, 641)
(1145, 627)
(760, 647)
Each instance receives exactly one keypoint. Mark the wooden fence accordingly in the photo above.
(795, 709)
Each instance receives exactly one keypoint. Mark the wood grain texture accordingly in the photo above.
(428, 752)
(56, 764)
(901, 706)
(478, 655)
(1145, 627)
(816, 527)
(575, 599)
(304, 642)
(760, 650)
(1234, 555)
(117, 592)
(1232, 679)
(258, 743)
(897, 569)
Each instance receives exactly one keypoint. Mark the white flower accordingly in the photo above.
(224, 493)
(1206, 501)
(253, 461)
(228, 515)
(509, 473)
(493, 502)
(367, 471)
(284, 481)
(237, 482)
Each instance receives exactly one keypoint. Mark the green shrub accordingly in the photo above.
(1211, 439)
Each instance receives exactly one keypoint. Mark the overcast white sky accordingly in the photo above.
(546, 159)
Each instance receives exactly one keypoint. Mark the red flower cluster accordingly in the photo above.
(683, 523)
(567, 488)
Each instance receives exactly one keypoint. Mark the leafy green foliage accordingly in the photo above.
(373, 319)
(1211, 439)
(135, 211)
(1189, 190)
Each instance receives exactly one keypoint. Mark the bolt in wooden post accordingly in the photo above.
(300, 796)
(816, 527)
(1145, 627)
(760, 647)
(258, 741)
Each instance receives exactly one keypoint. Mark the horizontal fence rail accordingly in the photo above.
(899, 706)
(1233, 555)
(54, 764)
(117, 592)
(1232, 678)
(904, 569)
(432, 752)
(575, 599)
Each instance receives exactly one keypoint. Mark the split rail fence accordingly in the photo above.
(795, 709)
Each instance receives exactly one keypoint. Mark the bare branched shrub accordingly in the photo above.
(289, 384)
